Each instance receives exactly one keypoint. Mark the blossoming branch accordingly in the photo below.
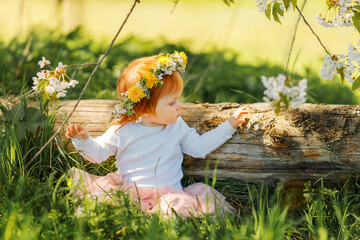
(52, 84)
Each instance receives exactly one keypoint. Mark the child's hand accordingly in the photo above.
(76, 131)
(235, 119)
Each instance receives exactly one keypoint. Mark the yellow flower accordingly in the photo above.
(135, 93)
(163, 60)
(150, 80)
(184, 57)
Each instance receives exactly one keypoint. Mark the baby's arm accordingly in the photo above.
(94, 150)
(197, 145)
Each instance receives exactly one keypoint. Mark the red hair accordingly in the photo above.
(132, 74)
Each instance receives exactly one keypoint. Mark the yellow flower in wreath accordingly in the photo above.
(150, 80)
(163, 60)
(135, 93)
(183, 56)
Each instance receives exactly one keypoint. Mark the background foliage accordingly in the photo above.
(211, 76)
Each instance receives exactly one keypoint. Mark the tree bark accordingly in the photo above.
(300, 145)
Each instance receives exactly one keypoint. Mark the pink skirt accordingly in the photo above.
(195, 200)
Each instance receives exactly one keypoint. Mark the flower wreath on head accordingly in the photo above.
(166, 65)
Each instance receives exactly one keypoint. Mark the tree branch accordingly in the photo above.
(86, 85)
(306, 22)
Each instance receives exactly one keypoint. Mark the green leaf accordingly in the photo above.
(294, 2)
(42, 83)
(277, 106)
(34, 118)
(357, 7)
(45, 96)
(20, 131)
(340, 71)
(287, 3)
(285, 100)
(3, 109)
(278, 9)
(15, 113)
(275, 13)
(356, 21)
(228, 2)
(356, 84)
(268, 11)
(53, 97)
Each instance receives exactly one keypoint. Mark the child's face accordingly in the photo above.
(167, 111)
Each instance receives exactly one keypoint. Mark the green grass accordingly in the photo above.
(36, 203)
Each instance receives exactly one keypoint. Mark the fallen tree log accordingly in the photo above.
(303, 144)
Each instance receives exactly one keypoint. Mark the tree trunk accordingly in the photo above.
(303, 144)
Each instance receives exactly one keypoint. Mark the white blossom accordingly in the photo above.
(55, 80)
(262, 5)
(73, 82)
(60, 65)
(329, 68)
(41, 75)
(275, 87)
(342, 17)
(60, 94)
(50, 90)
(348, 64)
(43, 62)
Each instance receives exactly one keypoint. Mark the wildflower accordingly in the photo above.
(183, 58)
(163, 60)
(135, 93)
(43, 62)
(150, 80)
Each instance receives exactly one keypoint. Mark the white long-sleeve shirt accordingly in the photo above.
(152, 156)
